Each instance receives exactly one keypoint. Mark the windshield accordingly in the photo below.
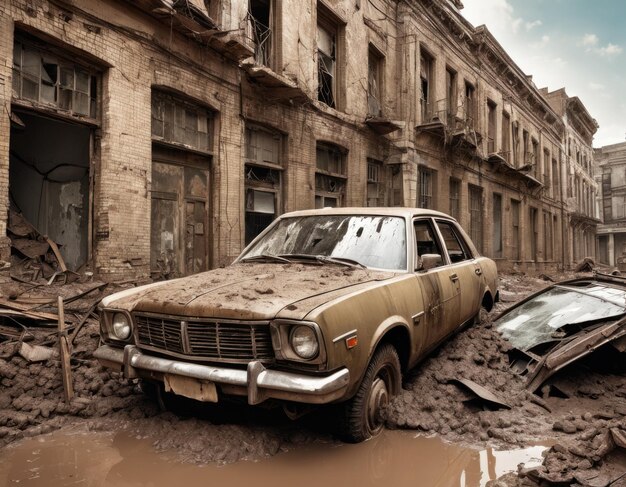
(373, 241)
(537, 320)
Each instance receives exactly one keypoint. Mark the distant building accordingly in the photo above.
(158, 137)
(611, 176)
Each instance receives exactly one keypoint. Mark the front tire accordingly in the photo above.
(382, 380)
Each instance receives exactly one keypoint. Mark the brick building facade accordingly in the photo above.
(157, 137)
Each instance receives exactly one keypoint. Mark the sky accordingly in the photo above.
(576, 44)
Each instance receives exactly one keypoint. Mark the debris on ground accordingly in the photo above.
(585, 265)
(580, 411)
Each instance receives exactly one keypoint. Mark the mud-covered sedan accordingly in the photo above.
(325, 306)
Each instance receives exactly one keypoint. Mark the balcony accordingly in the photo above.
(434, 116)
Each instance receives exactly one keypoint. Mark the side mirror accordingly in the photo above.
(429, 261)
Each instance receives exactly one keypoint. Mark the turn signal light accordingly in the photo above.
(351, 342)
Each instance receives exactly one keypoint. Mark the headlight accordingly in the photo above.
(121, 326)
(303, 341)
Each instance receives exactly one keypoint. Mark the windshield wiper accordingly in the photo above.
(277, 258)
(325, 259)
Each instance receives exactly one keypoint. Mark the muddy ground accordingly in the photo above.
(585, 428)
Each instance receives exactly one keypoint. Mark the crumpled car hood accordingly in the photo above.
(248, 291)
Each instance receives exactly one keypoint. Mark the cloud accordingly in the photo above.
(545, 40)
(591, 43)
(498, 15)
(596, 86)
(590, 40)
(533, 24)
(609, 50)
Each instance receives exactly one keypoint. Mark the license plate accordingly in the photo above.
(191, 388)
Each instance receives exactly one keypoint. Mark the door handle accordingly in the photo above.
(478, 271)
(454, 277)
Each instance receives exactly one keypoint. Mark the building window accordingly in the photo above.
(534, 233)
(554, 190)
(260, 13)
(180, 123)
(546, 169)
(491, 127)
(374, 83)
(375, 183)
(506, 136)
(427, 85)
(470, 104)
(451, 94)
(328, 37)
(330, 176)
(455, 198)
(426, 185)
(526, 154)
(263, 179)
(535, 159)
(45, 78)
(515, 229)
(548, 240)
(515, 149)
(476, 212)
(497, 225)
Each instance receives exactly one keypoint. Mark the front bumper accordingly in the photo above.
(257, 382)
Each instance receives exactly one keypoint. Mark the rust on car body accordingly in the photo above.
(323, 306)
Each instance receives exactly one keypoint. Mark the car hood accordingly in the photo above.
(245, 291)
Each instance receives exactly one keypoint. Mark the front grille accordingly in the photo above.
(206, 339)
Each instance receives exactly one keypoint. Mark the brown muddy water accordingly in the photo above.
(119, 460)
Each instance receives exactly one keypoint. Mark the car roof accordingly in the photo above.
(380, 211)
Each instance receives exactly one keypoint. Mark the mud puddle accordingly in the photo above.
(117, 459)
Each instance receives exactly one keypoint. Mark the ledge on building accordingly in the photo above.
(384, 126)
(467, 136)
(279, 87)
(578, 218)
(500, 164)
(434, 126)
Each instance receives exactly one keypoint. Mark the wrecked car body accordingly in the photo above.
(564, 323)
(325, 306)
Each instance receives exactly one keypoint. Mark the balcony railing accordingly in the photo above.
(261, 36)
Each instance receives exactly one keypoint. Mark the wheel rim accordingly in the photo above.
(377, 401)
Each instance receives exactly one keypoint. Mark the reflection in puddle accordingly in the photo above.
(394, 458)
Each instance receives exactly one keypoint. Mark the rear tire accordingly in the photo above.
(382, 380)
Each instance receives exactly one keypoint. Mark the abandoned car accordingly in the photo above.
(564, 323)
(324, 306)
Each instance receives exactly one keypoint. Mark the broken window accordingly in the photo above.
(455, 198)
(497, 225)
(476, 215)
(178, 122)
(327, 58)
(426, 185)
(451, 94)
(263, 179)
(535, 158)
(374, 83)
(330, 179)
(506, 136)
(45, 78)
(546, 168)
(515, 229)
(260, 22)
(470, 104)
(515, 131)
(427, 85)
(491, 128)
(375, 183)
(526, 154)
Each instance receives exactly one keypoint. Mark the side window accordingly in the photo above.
(425, 239)
(458, 250)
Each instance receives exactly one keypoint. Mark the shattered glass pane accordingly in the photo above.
(48, 93)
(16, 83)
(537, 320)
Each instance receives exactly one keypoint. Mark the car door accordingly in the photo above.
(439, 285)
(465, 266)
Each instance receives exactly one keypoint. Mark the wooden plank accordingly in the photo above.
(26, 310)
(57, 254)
(64, 349)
